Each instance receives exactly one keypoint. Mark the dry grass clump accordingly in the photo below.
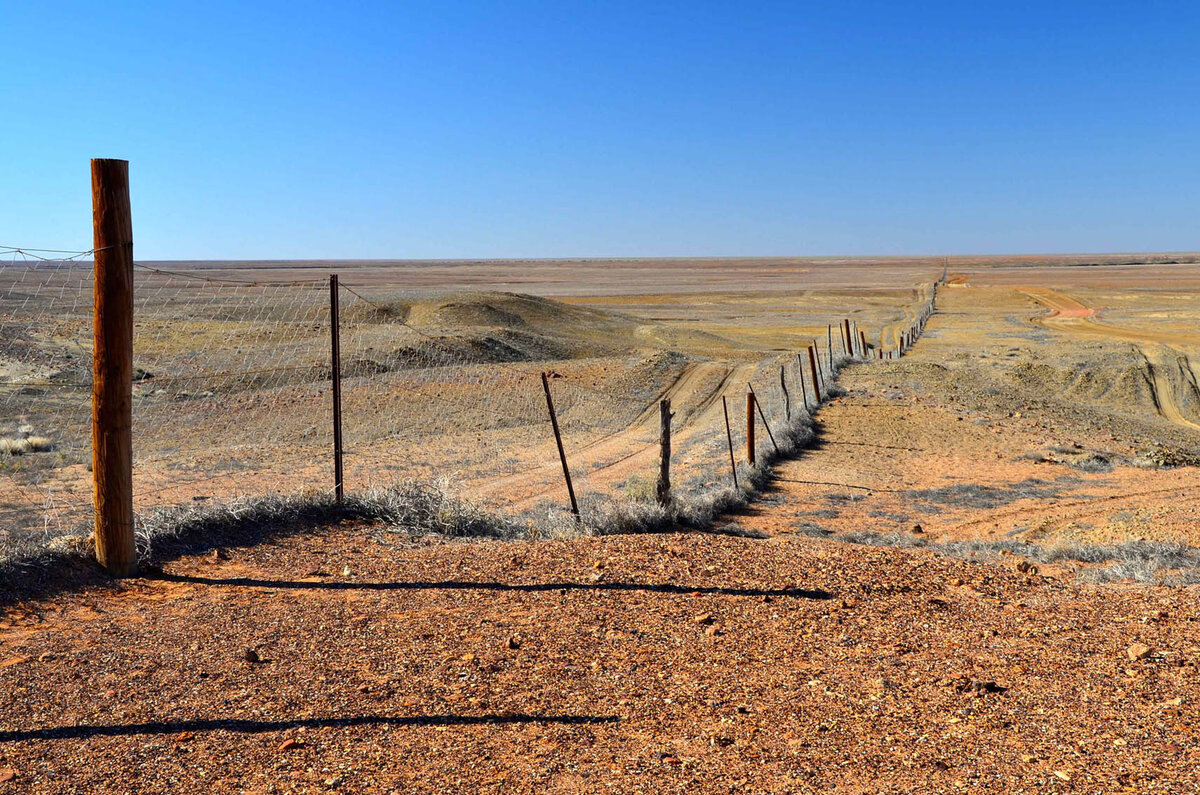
(412, 507)
(27, 444)
(977, 495)
(42, 564)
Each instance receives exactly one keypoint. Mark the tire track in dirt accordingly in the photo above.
(636, 446)
(1156, 347)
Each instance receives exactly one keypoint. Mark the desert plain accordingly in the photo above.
(977, 575)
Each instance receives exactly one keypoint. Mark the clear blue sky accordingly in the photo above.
(490, 129)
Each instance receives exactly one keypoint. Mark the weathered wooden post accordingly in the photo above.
(750, 427)
(729, 438)
(803, 388)
(112, 367)
(663, 490)
(812, 362)
(562, 454)
(847, 340)
(862, 342)
(335, 358)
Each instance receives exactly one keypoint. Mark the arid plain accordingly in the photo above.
(977, 577)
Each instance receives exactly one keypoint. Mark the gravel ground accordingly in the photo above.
(679, 663)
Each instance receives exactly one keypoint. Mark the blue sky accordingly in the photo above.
(496, 129)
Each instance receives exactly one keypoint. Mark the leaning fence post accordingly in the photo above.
(787, 398)
(562, 455)
(729, 438)
(750, 427)
(812, 363)
(663, 491)
(112, 367)
(335, 358)
(862, 342)
(847, 340)
(803, 388)
(763, 417)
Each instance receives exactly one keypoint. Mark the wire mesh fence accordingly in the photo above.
(232, 396)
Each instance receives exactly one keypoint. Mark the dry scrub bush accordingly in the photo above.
(412, 507)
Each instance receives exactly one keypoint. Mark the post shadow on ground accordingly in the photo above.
(265, 726)
(468, 585)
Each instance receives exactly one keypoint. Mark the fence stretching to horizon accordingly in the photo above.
(127, 387)
(232, 396)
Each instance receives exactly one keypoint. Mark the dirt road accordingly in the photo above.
(1164, 351)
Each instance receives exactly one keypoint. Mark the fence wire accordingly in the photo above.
(232, 396)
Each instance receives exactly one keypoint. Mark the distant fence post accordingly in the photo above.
(729, 438)
(112, 367)
(803, 388)
(862, 342)
(335, 358)
(562, 454)
(750, 427)
(663, 490)
(787, 398)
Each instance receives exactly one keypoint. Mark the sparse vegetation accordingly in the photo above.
(1145, 562)
(977, 495)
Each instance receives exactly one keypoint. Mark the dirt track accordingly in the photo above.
(1160, 348)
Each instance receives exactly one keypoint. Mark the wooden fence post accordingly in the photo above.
(862, 342)
(729, 438)
(562, 454)
(750, 427)
(663, 491)
(112, 367)
(847, 340)
(335, 358)
(812, 362)
(829, 345)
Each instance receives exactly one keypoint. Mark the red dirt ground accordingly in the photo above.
(679, 663)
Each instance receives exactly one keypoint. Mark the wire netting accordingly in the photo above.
(232, 395)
